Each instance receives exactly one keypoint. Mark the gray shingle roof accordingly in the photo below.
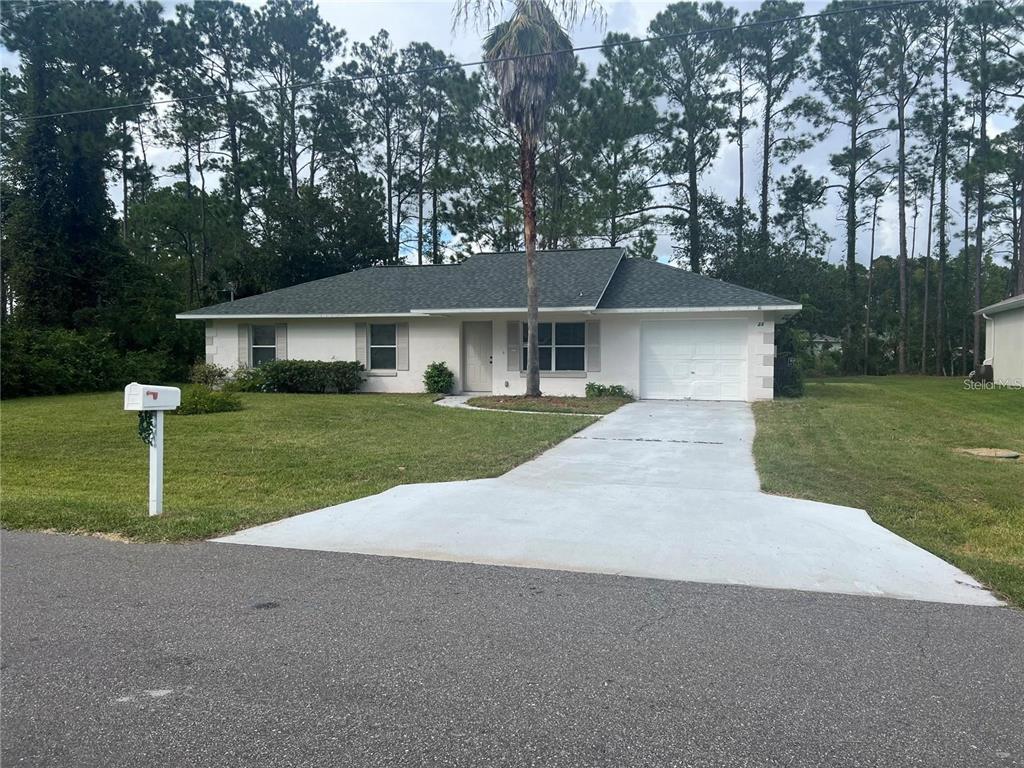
(644, 284)
(1014, 302)
(578, 279)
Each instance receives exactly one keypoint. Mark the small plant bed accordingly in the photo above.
(544, 404)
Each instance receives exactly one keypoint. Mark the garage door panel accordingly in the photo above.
(693, 359)
(732, 369)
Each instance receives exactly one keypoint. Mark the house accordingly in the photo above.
(1004, 340)
(660, 331)
(821, 343)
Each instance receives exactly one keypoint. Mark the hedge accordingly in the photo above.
(311, 376)
(57, 361)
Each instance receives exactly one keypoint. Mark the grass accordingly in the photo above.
(545, 404)
(76, 464)
(887, 445)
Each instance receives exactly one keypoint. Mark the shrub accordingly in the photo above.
(57, 361)
(311, 376)
(247, 380)
(790, 344)
(197, 399)
(607, 390)
(789, 377)
(208, 375)
(438, 378)
(151, 367)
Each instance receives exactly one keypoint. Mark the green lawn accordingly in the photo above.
(75, 463)
(888, 445)
(546, 404)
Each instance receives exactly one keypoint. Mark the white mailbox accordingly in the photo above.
(149, 397)
(151, 401)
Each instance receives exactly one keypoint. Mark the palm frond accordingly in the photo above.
(528, 55)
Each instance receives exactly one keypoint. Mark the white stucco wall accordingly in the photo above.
(430, 339)
(440, 339)
(1004, 344)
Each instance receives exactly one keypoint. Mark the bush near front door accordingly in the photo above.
(438, 379)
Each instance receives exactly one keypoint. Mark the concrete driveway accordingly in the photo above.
(658, 489)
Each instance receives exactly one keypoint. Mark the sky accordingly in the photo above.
(431, 21)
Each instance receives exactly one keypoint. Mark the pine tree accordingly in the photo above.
(849, 62)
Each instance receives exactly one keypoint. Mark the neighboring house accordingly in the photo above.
(660, 331)
(823, 343)
(1004, 340)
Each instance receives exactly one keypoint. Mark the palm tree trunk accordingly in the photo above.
(528, 169)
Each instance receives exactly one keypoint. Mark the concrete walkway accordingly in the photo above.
(659, 489)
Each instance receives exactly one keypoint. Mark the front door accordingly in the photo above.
(476, 357)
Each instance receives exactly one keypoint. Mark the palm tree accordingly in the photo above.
(527, 54)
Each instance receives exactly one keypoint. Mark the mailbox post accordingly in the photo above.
(154, 399)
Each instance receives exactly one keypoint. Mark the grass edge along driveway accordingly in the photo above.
(75, 463)
(887, 445)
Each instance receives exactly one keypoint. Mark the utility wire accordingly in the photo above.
(480, 62)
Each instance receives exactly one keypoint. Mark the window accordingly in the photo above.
(383, 347)
(560, 346)
(264, 344)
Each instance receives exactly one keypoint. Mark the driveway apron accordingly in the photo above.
(662, 489)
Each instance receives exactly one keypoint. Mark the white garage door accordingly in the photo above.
(693, 359)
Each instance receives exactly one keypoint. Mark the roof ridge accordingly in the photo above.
(551, 250)
(611, 276)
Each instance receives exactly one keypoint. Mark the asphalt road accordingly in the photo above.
(224, 655)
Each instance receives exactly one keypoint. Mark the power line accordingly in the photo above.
(480, 62)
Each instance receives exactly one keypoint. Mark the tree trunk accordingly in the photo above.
(966, 270)
(528, 169)
(389, 172)
(435, 233)
(234, 150)
(927, 256)
(871, 271)
(124, 178)
(940, 294)
(419, 199)
(766, 164)
(851, 251)
(741, 201)
(293, 142)
(979, 238)
(145, 162)
(901, 160)
(981, 158)
(693, 220)
(1019, 289)
(204, 236)
(193, 283)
